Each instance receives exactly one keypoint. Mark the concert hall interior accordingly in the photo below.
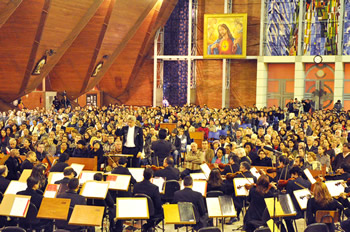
(175, 115)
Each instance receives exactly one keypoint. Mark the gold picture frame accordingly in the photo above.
(39, 66)
(219, 26)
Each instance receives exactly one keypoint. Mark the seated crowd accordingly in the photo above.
(235, 140)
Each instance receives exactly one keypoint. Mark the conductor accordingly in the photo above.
(132, 140)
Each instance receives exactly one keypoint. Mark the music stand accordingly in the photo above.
(78, 168)
(160, 182)
(87, 215)
(95, 189)
(51, 190)
(25, 174)
(15, 205)
(54, 208)
(15, 186)
(132, 208)
(137, 173)
(198, 186)
(221, 207)
(118, 182)
(198, 176)
(55, 176)
(173, 214)
(86, 176)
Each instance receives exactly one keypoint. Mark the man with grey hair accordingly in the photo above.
(132, 139)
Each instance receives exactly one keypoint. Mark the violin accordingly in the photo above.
(230, 176)
(154, 167)
(283, 183)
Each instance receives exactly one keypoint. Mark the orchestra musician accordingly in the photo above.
(321, 200)
(13, 165)
(122, 169)
(257, 194)
(215, 182)
(296, 182)
(262, 159)
(282, 172)
(3, 181)
(169, 172)
(38, 172)
(68, 174)
(61, 163)
(29, 162)
(233, 165)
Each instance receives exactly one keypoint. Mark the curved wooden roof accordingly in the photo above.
(75, 36)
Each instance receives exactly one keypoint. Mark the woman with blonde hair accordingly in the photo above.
(322, 200)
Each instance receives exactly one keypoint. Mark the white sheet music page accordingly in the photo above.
(94, 189)
(200, 186)
(302, 196)
(55, 176)
(137, 173)
(159, 181)
(19, 207)
(335, 187)
(198, 176)
(15, 186)
(255, 172)
(120, 182)
(77, 168)
(213, 207)
(309, 176)
(206, 170)
(240, 183)
(85, 176)
(132, 208)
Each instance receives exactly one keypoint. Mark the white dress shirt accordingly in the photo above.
(130, 137)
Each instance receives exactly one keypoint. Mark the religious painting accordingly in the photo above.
(39, 66)
(225, 36)
(97, 69)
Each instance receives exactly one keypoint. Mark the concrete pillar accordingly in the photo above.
(299, 79)
(261, 83)
(339, 80)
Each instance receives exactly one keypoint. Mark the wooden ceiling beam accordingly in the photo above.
(7, 11)
(65, 45)
(93, 82)
(158, 21)
(98, 47)
(36, 43)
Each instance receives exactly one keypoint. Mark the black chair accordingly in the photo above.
(31, 221)
(317, 227)
(209, 229)
(12, 229)
(252, 225)
(214, 194)
(171, 186)
(262, 229)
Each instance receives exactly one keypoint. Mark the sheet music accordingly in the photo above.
(19, 207)
(186, 212)
(302, 196)
(198, 186)
(119, 182)
(335, 187)
(227, 206)
(198, 176)
(159, 181)
(206, 170)
(85, 176)
(55, 176)
(51, 191)
(287, 204)
(94, 189)
(15, 187)
(255, 172)
(137, 173)
(240, 183)
(77, 168)
(132, 208)
(213, 206)
(309, 176)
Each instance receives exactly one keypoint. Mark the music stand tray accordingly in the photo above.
(87, 215)
(15, 205)
(132, 208)
(25, 174)
(172, 215)
(54, 208)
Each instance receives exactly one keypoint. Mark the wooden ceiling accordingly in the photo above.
(75, 36)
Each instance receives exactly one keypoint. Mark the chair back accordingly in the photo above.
(209, 229)
(214, 194)
(171, 186)
(262, 229)
(317, 227)
(213, 136)
(222, 132)
(151, 210)
(31, 218)
(327, 216)
(12, 229)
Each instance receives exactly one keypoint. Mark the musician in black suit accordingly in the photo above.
(196, 198)
(13, 165)
(169, 172)
(28, 162)
(132, 140)
(33, 185)
(68, 174)
(71, 193)
(61, 164)
(233, 165)
(282, 172)
(161, 148)
(296, 183)
(122, 169)
(40, 152)
(3, 181)
(151, 190)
